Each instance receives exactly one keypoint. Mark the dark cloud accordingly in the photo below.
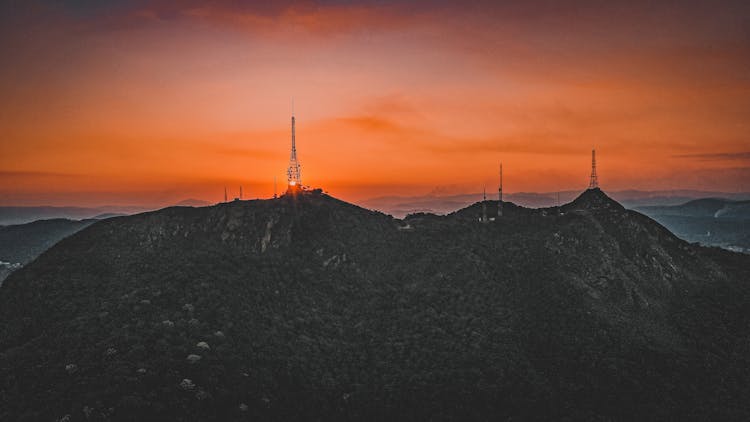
(555, 16)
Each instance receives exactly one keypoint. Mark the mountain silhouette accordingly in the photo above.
(307, 307)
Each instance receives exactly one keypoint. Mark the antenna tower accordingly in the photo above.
(500, 194)
(225, 194)
(274, 188)
(484, 204)
(294, 174)
(240, 192)
(594, 181)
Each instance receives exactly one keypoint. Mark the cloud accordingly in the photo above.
(721, 156)
(311, 18)
(439, 91)
(29, 174)
(372, 123)
(246, 152)
(422, 139)
(19, 180)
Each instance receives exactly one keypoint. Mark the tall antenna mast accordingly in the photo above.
(225, 194)
(594, 181)
(240, 191)
(294, 142)
(274, 188)
(294, 175)
(500, 194)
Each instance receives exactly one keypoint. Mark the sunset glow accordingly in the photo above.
(151, 104)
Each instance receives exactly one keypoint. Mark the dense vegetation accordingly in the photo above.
(311, 308)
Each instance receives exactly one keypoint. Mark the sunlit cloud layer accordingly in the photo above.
(148, 103)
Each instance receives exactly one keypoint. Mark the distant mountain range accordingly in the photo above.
(21, 215)
(400, 206)
(307, 307)
(706, 207)
(397, 206)
(22, 243)
(710, 221)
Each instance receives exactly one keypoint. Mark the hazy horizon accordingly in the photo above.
(509, 196)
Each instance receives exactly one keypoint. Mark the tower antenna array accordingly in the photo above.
(594, 181)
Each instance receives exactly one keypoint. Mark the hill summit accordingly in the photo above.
(307, 307)
(594, 199)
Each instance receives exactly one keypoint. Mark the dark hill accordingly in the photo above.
(312, 308)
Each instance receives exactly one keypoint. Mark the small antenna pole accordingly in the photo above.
(500, 194)
(484, 204)
(225, 194)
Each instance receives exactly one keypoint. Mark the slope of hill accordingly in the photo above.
(312, 308)
(6, 268)
(192, 202)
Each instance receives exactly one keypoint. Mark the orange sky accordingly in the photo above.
(129, 103)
